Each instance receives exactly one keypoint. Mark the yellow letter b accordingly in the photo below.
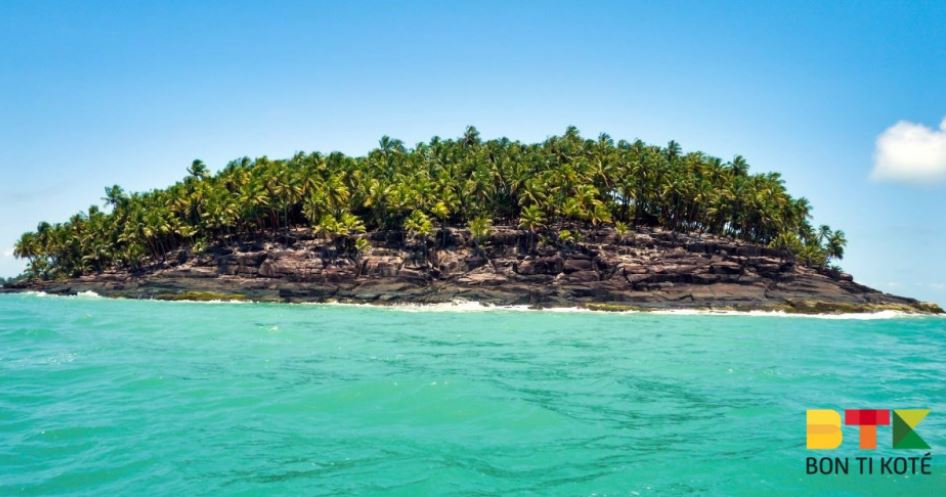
(824, 429)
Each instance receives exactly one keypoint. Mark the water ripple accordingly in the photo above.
(106, 397)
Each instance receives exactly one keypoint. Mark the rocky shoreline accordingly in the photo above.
(645, 270)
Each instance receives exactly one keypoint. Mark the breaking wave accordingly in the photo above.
(466, 306)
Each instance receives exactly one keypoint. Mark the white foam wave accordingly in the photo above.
(211, 301)
(35, 293)
(461, 306)
(852, 315)
(454, 306)
(457, 306)
(465, 306)
(472, 306)
(88, 294)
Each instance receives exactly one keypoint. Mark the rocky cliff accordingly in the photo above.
(645, 270)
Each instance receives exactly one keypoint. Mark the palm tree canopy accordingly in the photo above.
(561, 182)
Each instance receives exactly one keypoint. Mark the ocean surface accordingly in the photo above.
(102, 397)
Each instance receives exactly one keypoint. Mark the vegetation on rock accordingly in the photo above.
(543, 188)
(196, 296)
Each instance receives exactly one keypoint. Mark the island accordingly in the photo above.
(570, 221)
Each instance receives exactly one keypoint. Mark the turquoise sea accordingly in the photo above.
(103, 397)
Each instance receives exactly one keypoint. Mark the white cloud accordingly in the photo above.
(910, 153)
(8, 252)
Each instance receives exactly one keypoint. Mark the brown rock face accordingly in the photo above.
(540, 265)
(651, 269)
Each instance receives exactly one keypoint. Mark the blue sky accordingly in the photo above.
(97, 93)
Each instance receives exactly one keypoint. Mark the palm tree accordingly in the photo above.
(26, 247)
(340, 229)
(442, 213)
(739, 166)
(197, 170)
(836, 244)
(672, 150)
(532, 220)
(481, 227)
(471, 137)
(114, 196)
(824, 233)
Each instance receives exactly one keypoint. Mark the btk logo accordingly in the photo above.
(824, 427)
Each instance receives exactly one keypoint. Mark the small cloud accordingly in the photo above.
(8, 253)
(910, 153)
(938, 286)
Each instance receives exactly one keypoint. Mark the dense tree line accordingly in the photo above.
(563, 182)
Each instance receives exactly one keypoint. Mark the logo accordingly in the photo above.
(823, 432)
(824, 427)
